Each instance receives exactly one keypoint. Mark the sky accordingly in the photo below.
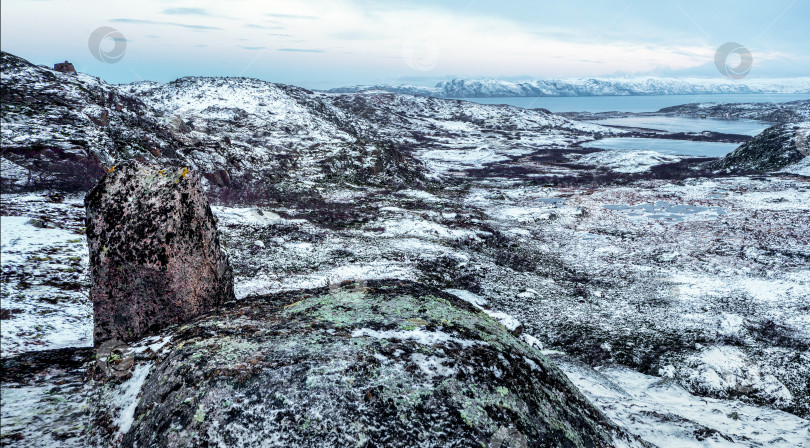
(321, 44)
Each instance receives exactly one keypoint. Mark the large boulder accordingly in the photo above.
(378, 364)
(155, 258)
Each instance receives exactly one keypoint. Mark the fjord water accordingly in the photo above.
(647, 103)
(684, 124)
(653, 103)
(665, 146)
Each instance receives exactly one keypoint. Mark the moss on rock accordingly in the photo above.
(392, 364)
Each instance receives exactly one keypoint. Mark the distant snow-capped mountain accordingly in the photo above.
(489, 88)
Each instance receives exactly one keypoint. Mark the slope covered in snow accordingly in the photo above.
(62, 129)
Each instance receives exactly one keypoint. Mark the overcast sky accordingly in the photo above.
(329, 43)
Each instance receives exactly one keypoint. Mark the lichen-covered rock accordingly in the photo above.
(377, 364)
(155, 258)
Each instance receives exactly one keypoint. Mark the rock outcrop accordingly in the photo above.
(155, 258)
(64, 67)
(775, 148)
(384, 363)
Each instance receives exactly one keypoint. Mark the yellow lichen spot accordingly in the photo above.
(183, 173)
(112, 168)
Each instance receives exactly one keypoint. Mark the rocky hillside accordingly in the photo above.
(266, 129)
(789, 112)
(245, 135)
(493, 88)
(774, 149)
(62, 130)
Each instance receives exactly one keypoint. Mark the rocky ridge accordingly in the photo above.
(63, 130)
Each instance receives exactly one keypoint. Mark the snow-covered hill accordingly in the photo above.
(492, 88)
(261, 133)
(59, 129)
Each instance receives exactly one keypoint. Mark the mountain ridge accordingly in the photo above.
(636, 86)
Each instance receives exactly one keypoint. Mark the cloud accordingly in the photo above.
(264, 27)
(301, 50)
(153, 22)
(290, 16)
(468, 44)
(186, 12)
(358, 35)
(363, 41)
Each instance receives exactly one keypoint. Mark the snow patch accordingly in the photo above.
(47, 316)
(469, 297)
(127, 400)
(433, 366)
(627, 161)
(420, 336)
(662, 412)
(532, 341)
(479, 302)
(726, 371)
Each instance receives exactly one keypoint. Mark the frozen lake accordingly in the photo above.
(683, 124)
(649, 103)
(666, 211)
(675, 147)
